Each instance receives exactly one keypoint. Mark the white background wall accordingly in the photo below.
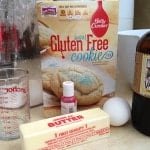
(126, 14)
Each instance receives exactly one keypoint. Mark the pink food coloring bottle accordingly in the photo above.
(68, 100)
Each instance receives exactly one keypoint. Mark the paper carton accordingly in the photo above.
(78, 41)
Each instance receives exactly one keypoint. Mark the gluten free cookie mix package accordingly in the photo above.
(78, 41)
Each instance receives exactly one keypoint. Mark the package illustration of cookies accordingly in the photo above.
(78, 41)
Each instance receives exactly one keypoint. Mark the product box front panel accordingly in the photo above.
(78, 42)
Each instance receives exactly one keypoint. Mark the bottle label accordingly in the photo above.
(67, 108)
(142, 74)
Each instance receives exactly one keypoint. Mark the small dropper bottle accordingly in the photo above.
(68, 100)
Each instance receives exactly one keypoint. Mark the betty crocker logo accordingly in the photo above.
(99, 21)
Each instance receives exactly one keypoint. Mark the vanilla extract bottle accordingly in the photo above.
(140, 113)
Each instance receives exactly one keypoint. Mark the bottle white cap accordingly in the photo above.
(68, 88)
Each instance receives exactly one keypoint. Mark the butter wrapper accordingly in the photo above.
(65, 131)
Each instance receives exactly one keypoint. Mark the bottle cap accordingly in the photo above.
(68, 88)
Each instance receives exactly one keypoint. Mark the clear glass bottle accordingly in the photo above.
(22, 40)
(29, 50)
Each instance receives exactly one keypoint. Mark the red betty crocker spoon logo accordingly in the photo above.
(99, 21)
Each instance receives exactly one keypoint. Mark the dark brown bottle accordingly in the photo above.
(141, 96)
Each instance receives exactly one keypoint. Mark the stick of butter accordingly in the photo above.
(65, 131)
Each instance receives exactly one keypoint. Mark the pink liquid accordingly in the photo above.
(68, 105)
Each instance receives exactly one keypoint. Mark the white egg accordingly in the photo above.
(118, 109)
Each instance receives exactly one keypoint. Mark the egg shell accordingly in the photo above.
(118, 109)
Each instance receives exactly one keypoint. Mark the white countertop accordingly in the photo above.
(121, 138)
